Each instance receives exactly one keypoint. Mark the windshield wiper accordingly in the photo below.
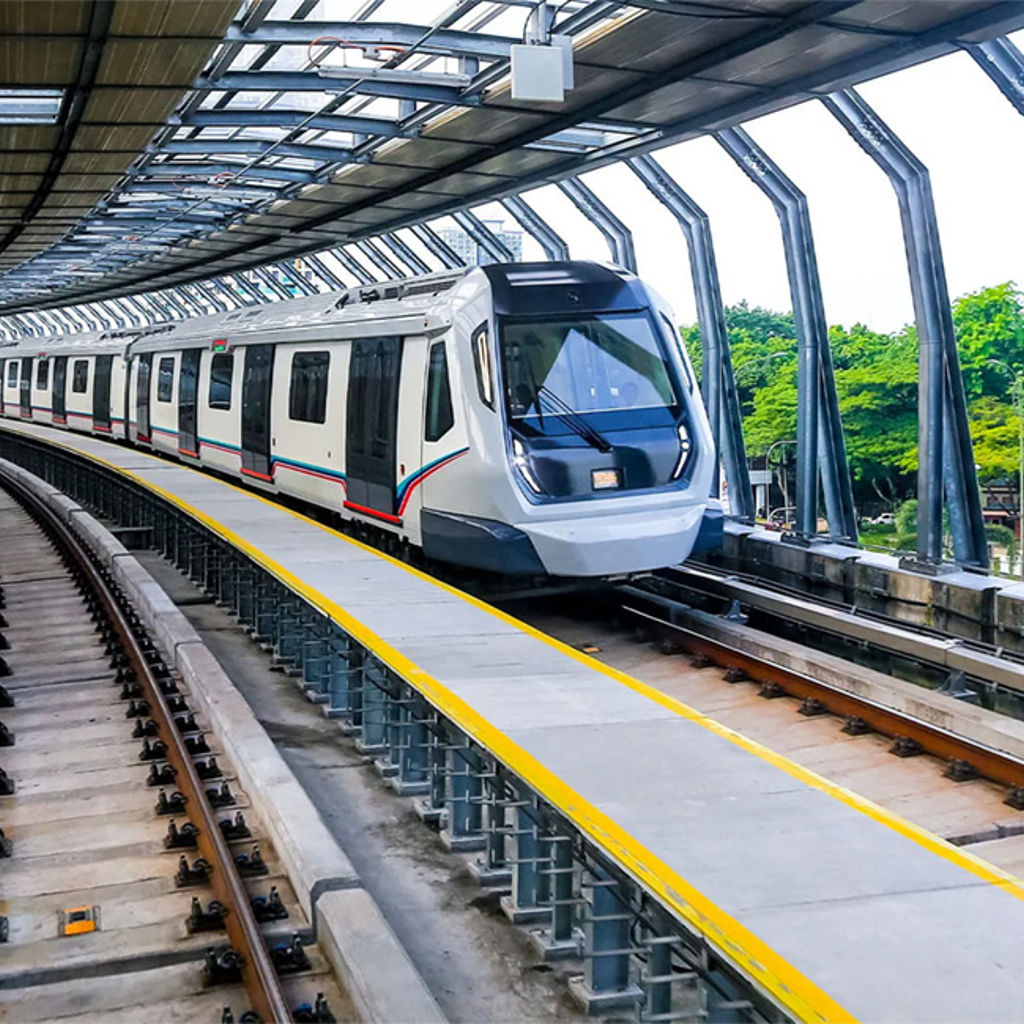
(575, 421)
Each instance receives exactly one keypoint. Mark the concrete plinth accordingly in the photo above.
(594, 1003)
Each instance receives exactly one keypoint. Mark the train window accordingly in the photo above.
(12, 373)
(79, 376)
(439, 416)
(221, 367)
(165, 379)
(307, 395)
(43, 374)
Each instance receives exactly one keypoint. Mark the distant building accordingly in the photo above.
(475, 255)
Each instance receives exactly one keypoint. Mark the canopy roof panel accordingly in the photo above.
(195, 139)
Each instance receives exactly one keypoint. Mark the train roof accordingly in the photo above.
(407, 306)
(87, 343)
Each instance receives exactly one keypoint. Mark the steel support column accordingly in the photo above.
(945, 452)
(353, 266)
(483, 236)
(617, 235)
(405, 253)
(380, 260)
(438, 246)
(718, 382)
(1004, 64)
(819, 429)
(554, 246)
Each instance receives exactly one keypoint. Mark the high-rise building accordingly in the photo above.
(476, 255)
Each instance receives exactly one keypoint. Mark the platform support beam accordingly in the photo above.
(819, 429)
(945, 451)
(718, 382)
(616, 234)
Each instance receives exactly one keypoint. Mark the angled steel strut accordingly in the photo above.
(945, 452)
(1004, 64)
(484, 237)
(718, 383)
(618, 236)
(819, 429)
(550, 241)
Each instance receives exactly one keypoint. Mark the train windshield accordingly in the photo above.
(594, 363)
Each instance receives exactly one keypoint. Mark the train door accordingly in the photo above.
(142, 390)
(257, 379)
(188, 382)
(25, 390)
(372, 425)
(60, 380)
(101, 394)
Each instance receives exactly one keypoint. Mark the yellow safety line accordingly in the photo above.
(785, 982)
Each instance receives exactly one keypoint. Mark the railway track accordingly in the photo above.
(134, 884)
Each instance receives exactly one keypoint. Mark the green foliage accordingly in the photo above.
(876, 380)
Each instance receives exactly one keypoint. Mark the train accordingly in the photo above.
(528, 419)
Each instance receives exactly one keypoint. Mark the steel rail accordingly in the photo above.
(259, 976)
(988, 762)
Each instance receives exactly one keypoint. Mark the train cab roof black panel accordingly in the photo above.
(529, 289)
(164, 158)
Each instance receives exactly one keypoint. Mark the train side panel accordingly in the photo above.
(163, 405)
(307, 421)
(219, 404)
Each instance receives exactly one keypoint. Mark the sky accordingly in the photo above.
(947, 111)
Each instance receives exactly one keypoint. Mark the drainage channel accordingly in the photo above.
(134, 882)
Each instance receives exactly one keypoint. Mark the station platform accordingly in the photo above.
(839, 909)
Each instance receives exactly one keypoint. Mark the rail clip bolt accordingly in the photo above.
(905, 746)
(208, 769)
(195, 874)
(291, 957)
(145, 728)
(6, 783)
(162, 775)
(854, 726)
(6, 736)
(6, 700)
(771, 691)
(184, 838)
(153, 751)
(235, 828)
(222, 796)
(137, 709)
(197, 744)
(734, 675)
(1015, 799)
(208, 920)
(173, 804)
(186, 723)
(269, 907)
(811, 706)
(222, 965)
(249, 864)
(6, 846)
(960, 771)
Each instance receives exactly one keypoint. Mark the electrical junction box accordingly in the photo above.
(538, 72)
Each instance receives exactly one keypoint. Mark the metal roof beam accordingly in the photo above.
(380, 260)
(405, 253)
(449, 258)
(205, 170)
(426, 39)
(256, 147)
(310, 81)
(353, 266)
(276, 117)
(325, 273)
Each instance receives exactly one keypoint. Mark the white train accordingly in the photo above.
(522, 418)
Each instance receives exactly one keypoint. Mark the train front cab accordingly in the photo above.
(599, 454)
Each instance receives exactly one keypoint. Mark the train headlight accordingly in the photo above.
(522, 463)
(685, 447)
